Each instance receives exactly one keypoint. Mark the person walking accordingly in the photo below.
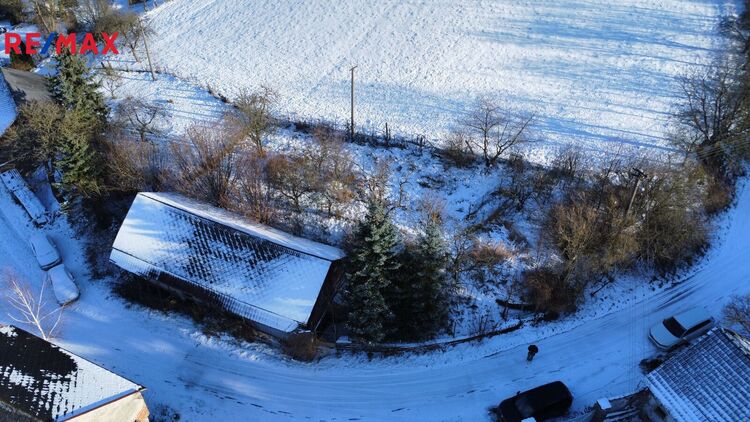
(533, 350)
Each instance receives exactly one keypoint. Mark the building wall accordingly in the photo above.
(127, 409)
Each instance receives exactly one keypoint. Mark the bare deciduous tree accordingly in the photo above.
(48, 14)
(737, 313)
(110, 79)
(145, 118)
(494, 130)
(332, 165)
(252, 118)
(291, 177)
(29, 306)
(713, 118)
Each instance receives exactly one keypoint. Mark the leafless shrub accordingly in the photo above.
(461, 243)
(335, 178)
(29, 306)
(718, 196)
(673, 230)
(34, 140)
(482, 324)
(488, 260)
(134, 166)
(457, 149)
(547, 290)
(493, 131)
(255, 197)
(569, 163)
(205, 161)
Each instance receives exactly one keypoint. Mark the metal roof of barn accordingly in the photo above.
(264, 274)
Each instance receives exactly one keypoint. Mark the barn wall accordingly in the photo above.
(328, 291)
(127, 409)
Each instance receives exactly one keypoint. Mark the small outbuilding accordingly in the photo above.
(43, 382)
(26, 86)
(279, 282)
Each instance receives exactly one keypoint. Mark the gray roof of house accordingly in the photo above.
(50, 383)
(26, 86)
(707, 381)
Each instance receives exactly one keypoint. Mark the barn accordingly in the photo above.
(279, 282)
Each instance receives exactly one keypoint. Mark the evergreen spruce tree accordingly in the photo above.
(83, 123)
(80, 161)
(420, 295)
(75, 88)
(432, 293)
(373, 265)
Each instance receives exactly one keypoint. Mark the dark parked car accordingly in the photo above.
(548, 401)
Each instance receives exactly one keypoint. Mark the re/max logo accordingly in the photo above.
(32, 42)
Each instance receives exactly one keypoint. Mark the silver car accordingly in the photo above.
(63, 284)
(44, 251)
(681, 328)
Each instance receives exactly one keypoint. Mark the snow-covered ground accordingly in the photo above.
(600, 74)
(217, 379)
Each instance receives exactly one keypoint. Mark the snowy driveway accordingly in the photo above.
(209, 379)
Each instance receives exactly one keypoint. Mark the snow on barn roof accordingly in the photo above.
(277, 276)
(707, 381)
(50, 383)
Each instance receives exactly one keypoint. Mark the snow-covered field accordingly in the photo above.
(600, 74)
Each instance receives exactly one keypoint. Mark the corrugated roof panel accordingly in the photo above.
(707, 381)
(245, 265)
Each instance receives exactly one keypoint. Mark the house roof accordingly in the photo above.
(707, 381)
(50, 383)
(7, 106)
(26, 86)
(279, 276)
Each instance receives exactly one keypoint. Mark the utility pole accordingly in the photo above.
(351, 122)
(638, 175)
(148, 55)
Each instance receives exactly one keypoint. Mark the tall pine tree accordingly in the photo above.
(85, 117)
(420, 295)
(75, 88)
(432, 294)
(373, 265)
(80, 162)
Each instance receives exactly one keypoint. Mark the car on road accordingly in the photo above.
(63, 284)
(551, 400)
(681, 329)
(44, 251)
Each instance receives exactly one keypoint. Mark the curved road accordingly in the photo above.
(214, 380)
